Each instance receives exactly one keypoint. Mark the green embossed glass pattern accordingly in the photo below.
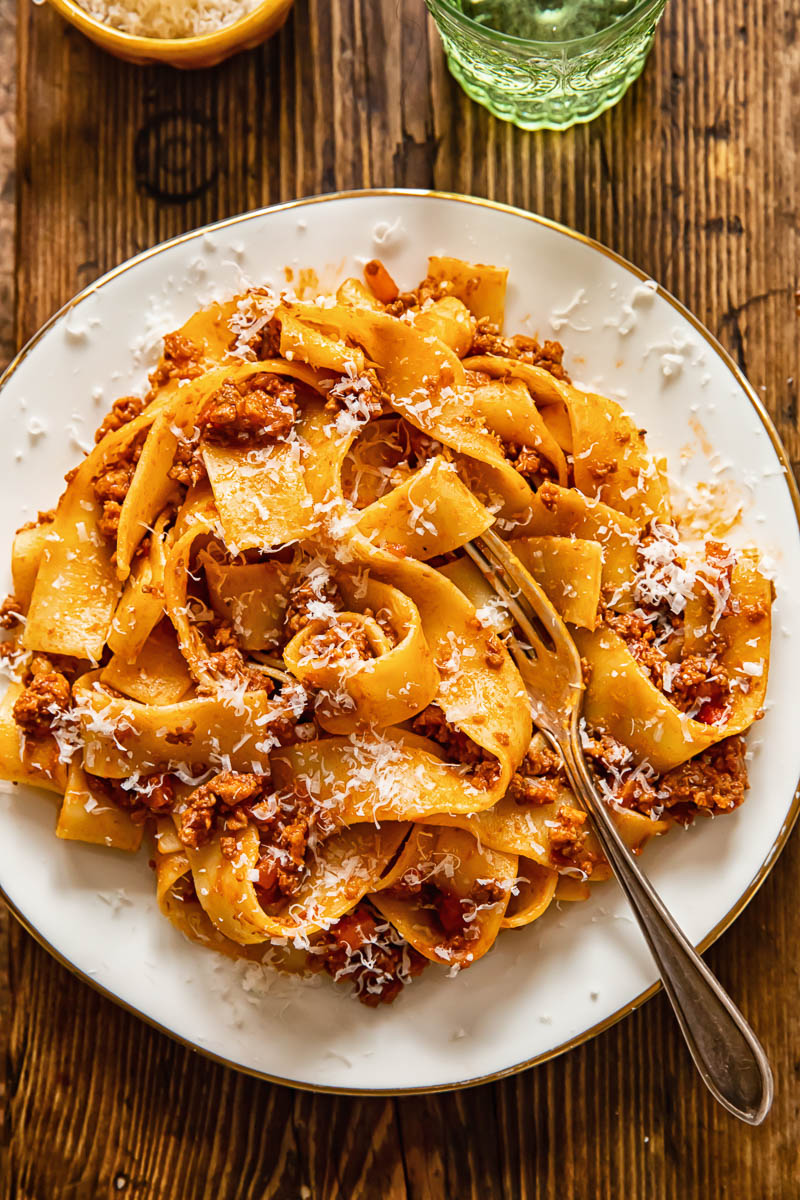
(584, 56)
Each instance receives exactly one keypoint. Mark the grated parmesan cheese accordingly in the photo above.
(168, 18)
(662, 578)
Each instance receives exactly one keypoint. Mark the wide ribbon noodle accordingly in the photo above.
(250, 629)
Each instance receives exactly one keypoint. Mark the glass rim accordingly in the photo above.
(513, 42)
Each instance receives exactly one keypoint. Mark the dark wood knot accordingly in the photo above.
(176, 156)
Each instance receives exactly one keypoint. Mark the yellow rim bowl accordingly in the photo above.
(193, 52)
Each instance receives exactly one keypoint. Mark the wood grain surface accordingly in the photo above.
(694, 176)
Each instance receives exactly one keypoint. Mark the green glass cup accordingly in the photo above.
(543, 83)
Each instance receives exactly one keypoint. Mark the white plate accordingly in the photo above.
(541, 989)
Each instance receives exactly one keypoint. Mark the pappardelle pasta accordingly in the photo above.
(249, 630)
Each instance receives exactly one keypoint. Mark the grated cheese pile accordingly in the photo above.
(168, 18)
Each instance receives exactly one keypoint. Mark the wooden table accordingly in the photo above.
(694, 176)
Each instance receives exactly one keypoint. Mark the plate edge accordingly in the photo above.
(775, 439)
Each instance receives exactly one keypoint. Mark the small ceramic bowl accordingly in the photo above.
(204, 51)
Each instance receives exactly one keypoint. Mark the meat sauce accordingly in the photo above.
(484, 767)
(230, 802)
(367, 951)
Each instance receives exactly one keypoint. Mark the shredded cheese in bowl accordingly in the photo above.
(168, 18)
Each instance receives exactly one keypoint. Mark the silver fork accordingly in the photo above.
(726, 1052)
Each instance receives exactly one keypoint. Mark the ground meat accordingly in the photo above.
(532, 465)
(549, 496)
(267, 342)
(227, 791)
(639, 635)
(704, 681)
(429, 289)
(231, 664)
(341, 643)
(600, 469)
(487, 772)
(714, 577)
(221, 635)
(281, 864)
(227, 661)
(182, 359)
(605, 752)
(541, 760)
(10, 613)
(488, 891)
(354, 396)
(540, 778)
(617, 772)
(383, 618)
(112, 484)
(631, 626)
(622, 780)
(713, 782)
(720, 557)
(526, 790)
(568, 841)
(363, 948)
(697, 683)
(484, 767)
(548, 355)
(65, 664)
(494, 653)
(154, 795)
(752, 612)
(253, 411)
(263, 343)
(188, 467)
(304, 597)
(47, 694)
(453, 914)
(230, 802)
(122, 411)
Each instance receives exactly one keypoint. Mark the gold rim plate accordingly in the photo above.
(719, 350)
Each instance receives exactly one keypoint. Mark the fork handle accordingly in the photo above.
(725, 1050)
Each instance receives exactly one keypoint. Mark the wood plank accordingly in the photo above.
(693, 176)
(7, 348)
